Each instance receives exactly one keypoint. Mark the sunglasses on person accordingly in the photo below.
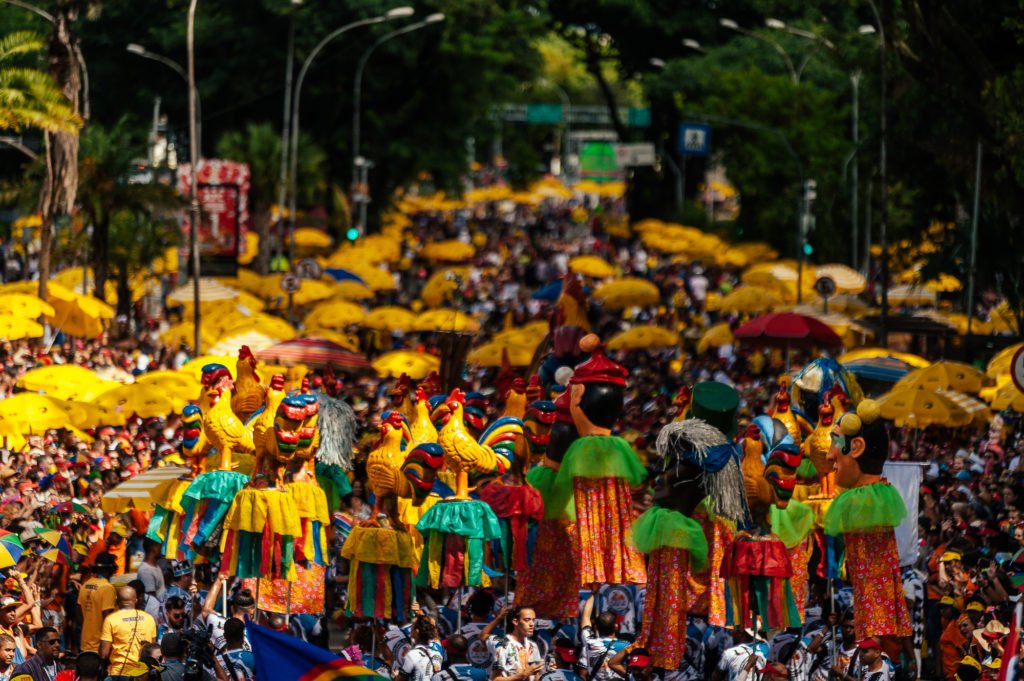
(51, 641)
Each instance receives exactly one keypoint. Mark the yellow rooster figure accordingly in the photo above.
(401, 397)
(515, 400)
(759, 492)
(422, 428)
(392, 474)
(783, 413)
(269, 455)
(194, 445)
(816, 446)
(682, 402)
(225, 431)
(248, 394)
(463, 454)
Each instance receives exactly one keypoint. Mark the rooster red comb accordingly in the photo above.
(245, 353)
(456, 396)
(393, 419)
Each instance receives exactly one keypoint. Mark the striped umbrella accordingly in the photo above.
(10, 549)
(54, 555)
(140, 491)
(885, 369)
(55, 539)
(314, 352)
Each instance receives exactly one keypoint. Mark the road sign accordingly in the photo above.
(290, 283)
(825, 286)
(631, 155)
(550, 114)
(694, 139)
(1017, 369)
(308, 269)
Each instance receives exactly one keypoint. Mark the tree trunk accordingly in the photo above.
(261, 223)
(100, 249)
(593, 61)
(60, 184)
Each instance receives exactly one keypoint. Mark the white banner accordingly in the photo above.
(906, 477)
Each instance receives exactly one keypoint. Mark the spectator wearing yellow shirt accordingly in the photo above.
(123, 635)
(96, 600)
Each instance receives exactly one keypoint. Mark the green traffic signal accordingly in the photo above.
(352, 234)
(808, 249)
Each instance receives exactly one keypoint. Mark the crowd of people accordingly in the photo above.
(114, 607)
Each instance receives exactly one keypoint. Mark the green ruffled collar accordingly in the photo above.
(861, 509)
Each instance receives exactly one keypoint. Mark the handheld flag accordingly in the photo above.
(280, 656)
(1008, 672)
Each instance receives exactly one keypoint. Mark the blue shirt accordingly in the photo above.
(243, 661)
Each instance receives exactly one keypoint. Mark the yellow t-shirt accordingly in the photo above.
(96, 596)
(127, 630)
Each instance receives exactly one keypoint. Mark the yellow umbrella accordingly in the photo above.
(1000, 364)
(452, 250)
(757, 251)
(975, 408)
(35, 413)
(209, 289)
(390, 318)
(16, 328)
(847, 279)
(445, 320)
(146, 401)
(644, 338)
(183, 333)
(748, 300)
(1007, 396)
(213, 307)
(873, 353)
(920, 408)
(715, 337)
(64, 381)
(85, 415)
(911, 295)
(336, 314)
(233, 341)
(178, 385)
(944, 283)
(628, 292)
(249, 248)
(415, 364)
(535, 330)
(490, 355)
(265, 324)
(375, 278)
(76, 314)
(441, 284)
(591, 266)
(24, 305)
(311, 237)
(194, 367)
(352, 290)
(947, 375)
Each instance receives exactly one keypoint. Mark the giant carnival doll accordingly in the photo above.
(865, 515)
(697, 472)
(601, 469)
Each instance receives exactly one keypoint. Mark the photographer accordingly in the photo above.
(174, 648)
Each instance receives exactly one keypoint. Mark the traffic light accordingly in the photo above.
(808, 249)
(352, 234)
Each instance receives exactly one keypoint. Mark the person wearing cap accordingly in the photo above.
(96, 600)
(457, 666)
(634, 664)
(990, 668)
(11, 612)
(181, 586)
(967, 669)
(123, 634)
(873, 664)
(952, 643)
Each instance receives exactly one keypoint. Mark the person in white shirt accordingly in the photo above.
(421, 661)
(516, 656)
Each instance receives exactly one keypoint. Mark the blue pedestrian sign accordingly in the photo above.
(694, 139)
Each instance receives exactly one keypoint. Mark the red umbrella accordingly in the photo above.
(787, 328)
(316, 351)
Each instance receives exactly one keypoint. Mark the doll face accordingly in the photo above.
(679, 487)
(843, 455)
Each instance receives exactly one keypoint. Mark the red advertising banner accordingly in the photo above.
(223, 189)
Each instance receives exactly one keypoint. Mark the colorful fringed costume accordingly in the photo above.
(455, 533)
(311, 505)
(260, 532)
(793, 525)
(759, 573)
(205, 504)
(600, 472)
(165, 525)
(380, 573)
(551, 583)
(677, 547)
(515, 506)
(865, 517)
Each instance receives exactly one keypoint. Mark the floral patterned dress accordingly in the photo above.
(873, 565)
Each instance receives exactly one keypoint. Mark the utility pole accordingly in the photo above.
(974, 240)
(854, 223)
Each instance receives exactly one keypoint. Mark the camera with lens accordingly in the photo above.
(198, 655)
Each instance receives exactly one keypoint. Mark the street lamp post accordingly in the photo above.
(395, 13)
(289, 69)
(882, 172)
(733, 26)
(140, 51)
(193, 144)
(357, 94)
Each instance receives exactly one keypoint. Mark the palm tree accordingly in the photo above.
(259, 146)
(30, 98)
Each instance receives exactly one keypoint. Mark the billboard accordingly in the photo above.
(223, 190)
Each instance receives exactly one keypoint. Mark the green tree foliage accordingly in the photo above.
(29, 98)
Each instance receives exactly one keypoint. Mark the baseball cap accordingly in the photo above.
(566, 652)
(868, 643)
(949, 556)
(8, 602)
(975, 606)
(182, 568)
(948, 600)
(639, 658)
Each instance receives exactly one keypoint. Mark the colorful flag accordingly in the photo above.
(1008, 672)
(280, 656)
